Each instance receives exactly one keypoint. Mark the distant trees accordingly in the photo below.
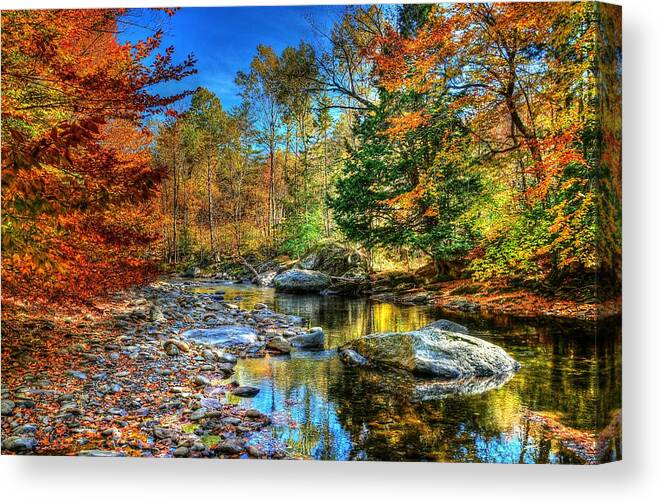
(471, 134)
(485, 137)
(213, 188)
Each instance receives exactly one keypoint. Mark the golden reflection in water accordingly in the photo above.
(561, 407)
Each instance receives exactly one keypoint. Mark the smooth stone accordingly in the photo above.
(198, 414)
(231, 447)
(299, 280)
(314, 339)
(19, 444)
(432, 352)
(255, 452)
(447, 325)
(182, 451)
(77, 374)
(352, 358)
(7, 407)
(245, 391)
(223, 336)
(279, 344)
(203, 381)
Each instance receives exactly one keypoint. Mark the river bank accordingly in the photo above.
(115, 379)
(461, 297)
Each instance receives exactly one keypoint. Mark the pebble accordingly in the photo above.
(201, 380)
(19, 444)
(231, 447)
(182, 451)
(7, 407)
(245, 391)
(198, 414)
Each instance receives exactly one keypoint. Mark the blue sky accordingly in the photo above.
(224, 39)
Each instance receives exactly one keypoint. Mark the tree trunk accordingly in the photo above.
(210, 213)
(174, 205)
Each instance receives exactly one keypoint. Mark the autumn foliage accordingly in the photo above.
(536, 89)
(78, 182)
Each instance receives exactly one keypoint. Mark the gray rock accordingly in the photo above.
(298, 280)
(201, 380)
(245, 391)
(70, 408)
(226, 357)
(224, 336)
(198, 414)
(255, 452)
(260, 306)
(462, 305)
(352, 358)
(23, 430)
(19, 444)
(314, 339)
(162, 433)
(309, 262)
(156, 315)
(447, 325)
(77, 374)
(433, 352)
(7, 407)
(254, 413)
(279, 344)
(182, 451)
(231, 447)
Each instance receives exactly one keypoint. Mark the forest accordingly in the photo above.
(480, 140)
(393, 239)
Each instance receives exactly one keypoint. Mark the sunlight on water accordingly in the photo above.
(561, 407)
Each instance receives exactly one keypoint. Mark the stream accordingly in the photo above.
(562, 406)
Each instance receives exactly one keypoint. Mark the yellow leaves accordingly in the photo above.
(400, 126)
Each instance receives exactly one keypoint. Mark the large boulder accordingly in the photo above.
(334, 259)
(223, 336)
(298, 280)
(431, 352)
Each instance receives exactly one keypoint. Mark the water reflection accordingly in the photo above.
(561, 407)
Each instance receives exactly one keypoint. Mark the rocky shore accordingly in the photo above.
(124, 378)
(332, 269)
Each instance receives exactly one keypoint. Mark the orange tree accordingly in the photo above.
(77, 178)
(530, 82)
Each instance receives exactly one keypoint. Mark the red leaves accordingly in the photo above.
(77, 176)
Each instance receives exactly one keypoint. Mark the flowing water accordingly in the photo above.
(563, 406)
